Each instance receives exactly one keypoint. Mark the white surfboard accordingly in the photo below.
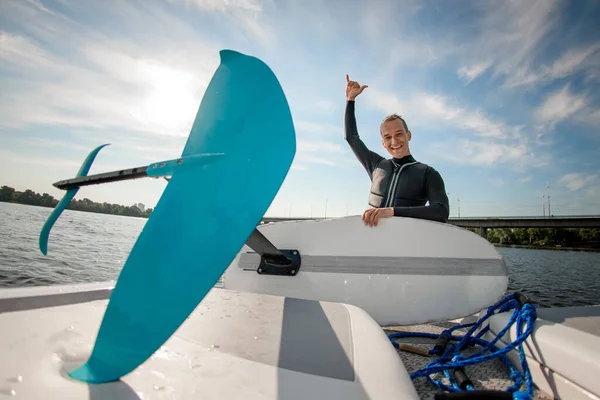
(403, 271)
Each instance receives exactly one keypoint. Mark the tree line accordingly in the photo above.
(29, 197)
(537, 237)
(544, 237)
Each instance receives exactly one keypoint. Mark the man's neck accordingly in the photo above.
(406, 159)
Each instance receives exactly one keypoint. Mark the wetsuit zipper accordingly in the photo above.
(393, 189)
(392, 185)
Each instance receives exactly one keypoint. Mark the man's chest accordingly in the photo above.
(399, 185)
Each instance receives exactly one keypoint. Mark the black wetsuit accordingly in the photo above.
(404, 184)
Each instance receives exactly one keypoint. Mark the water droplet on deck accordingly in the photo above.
(16, 379)
(255, 337)
(71, 328)
(13, 392)
(215, 346)
(228, 316)
(156, 387)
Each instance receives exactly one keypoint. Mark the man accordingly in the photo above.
(400, 186)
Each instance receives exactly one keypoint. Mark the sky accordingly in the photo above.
(502, 97)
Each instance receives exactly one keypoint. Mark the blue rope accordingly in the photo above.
(524, 315)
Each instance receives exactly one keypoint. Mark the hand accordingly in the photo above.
(353, 89)
(372, 215)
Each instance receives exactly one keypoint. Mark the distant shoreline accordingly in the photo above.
(31, 198)
(583, 240)
(555, 248)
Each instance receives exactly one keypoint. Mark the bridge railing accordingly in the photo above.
(567, 221)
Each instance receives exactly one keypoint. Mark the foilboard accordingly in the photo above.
(403, 271)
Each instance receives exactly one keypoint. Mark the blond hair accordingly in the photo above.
(392, 117)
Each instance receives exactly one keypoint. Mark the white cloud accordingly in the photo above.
(509, 37)
(594, 193)
(594, 116)
(573, 60)
(150, 96)
(560, 105)
(512, 38)
(576, 181)
(325, 106)
(321, 159)
(100, 81)
(304, 127)
(433, 109)
(497, 182)
(225, 5)
(298, 167)
(384, 27)
(481, 140)
(376, 18)
(38, 4)
(524, 179)
(322, 152)
(18, 52)
(471, 72)
(15, 158)
(244, 13)
(312, 146)
(52, 144)
(486, 153)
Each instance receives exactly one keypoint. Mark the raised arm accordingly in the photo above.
(438, 208)
(369, 159)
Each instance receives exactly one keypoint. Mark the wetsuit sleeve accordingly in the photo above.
(369, 159)
(438, 208)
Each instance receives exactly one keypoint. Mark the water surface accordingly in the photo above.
(89, 247)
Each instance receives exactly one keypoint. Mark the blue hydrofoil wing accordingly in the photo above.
(238, 154)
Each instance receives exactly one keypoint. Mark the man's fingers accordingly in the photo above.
(366, 216)
(377, 216)
(347, 79)
(373, 215)
(363, 88)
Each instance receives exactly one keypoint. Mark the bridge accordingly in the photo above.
(485, 223)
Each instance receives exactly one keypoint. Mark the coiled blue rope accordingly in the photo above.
(451, 359)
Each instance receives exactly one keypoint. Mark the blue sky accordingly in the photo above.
(501, 96)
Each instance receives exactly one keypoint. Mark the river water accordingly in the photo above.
(89, 247)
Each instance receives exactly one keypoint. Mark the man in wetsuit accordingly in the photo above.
(400, 186)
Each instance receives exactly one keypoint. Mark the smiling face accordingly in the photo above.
(395, 136)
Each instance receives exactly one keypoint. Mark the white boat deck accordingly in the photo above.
(301, 341)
